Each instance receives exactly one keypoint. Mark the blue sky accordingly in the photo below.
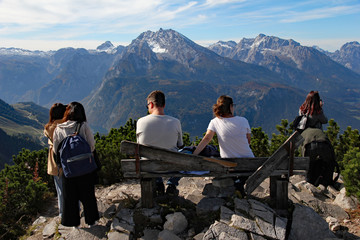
(50, 25)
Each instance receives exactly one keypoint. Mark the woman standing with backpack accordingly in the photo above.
(56, 113)
(81, 188)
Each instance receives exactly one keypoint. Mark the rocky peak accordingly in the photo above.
(106, 47)
(349, 56)
(169, 44)
(223, 48)
(269, 42)
(350, 46)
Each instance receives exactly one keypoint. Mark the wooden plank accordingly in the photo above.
(210, 174)
(244, 164)
(165, 155)
(272, 163)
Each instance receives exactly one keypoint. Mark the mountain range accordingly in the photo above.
(268, 78)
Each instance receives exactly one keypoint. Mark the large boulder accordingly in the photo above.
(307, 224)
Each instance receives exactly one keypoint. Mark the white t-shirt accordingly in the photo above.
(231, 133)
(160, 131)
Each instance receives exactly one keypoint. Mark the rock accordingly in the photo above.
(225, 214)
(212, 191)
(110, 211)
(126, 215)
(223, 182)
(151, 215)
(217, 228)
(63, 230)
(194, 196)
(95, 233)
(244, 223)
(332, 192)
(167, 235)
(150, 234)
(199, 236)
(50, 229)
(226, 236)
(176, 222)
(307, 224)
(122, 226)
(40, 220)
(256, 237)
(118, 236)
(242, 205)
(303, 185)
(346, 202)
(240, 219)
(333, 223)
(209, 205)
(322, 207)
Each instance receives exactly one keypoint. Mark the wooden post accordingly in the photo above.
(273, 187)
(147, 192)
(282, 194)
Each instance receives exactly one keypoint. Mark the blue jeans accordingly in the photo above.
(59, 191)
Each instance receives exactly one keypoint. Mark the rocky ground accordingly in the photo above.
(126, 195)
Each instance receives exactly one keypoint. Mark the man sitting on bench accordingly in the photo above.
(160, 130)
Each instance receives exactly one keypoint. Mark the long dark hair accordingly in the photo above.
(56, 112)
(75, 112)
(222, 106)
(311, 104)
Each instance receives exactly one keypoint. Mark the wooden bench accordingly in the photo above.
(151, 162)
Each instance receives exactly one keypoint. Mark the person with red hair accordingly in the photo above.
(312, 107)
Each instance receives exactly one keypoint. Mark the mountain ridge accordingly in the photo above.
(112, 84)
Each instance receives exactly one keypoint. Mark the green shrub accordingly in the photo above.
(351, 172)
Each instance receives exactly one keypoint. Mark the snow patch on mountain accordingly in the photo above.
(156, 48)
(107, 47)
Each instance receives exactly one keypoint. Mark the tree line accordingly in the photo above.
(26, 186)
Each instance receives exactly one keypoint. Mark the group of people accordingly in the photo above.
(62, 123)
(155, 129)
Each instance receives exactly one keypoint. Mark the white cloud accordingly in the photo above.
(115, 19)
(219, 2)
(47, 45)
(320, 13)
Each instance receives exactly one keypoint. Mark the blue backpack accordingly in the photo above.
(75, 156)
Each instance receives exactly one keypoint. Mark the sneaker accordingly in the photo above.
(171, 190)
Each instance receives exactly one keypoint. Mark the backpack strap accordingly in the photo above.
(46, 135)
(77, 128)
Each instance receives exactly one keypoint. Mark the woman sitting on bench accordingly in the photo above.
(233, 133)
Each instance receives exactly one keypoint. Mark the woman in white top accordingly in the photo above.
(233, 133)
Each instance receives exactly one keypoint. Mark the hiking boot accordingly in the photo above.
(171, 190)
